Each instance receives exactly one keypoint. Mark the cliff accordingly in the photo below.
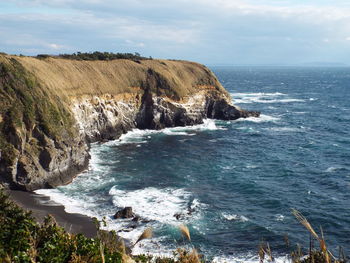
(52, 108)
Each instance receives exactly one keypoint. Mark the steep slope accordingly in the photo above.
(51, 109)
(39, 143)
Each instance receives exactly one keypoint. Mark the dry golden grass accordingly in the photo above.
(148, 233)
(265, 250)
(261, 253)
(305, 223)
(326, 253)
(73, 78)
(185, 232)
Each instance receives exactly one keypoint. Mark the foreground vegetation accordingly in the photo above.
(22, 239)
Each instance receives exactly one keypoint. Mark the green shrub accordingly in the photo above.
(22, 239)
(98, 56)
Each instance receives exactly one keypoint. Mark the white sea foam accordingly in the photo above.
(156, 204)
(276, 97)
(159, 206)
(153, 248)
(335, 168)
(258, 94)
(71, 205)
(247, 129)
(255, 100)
(284, 129)
(141, 136)
(262, 118)
(279, 217)
(251, 166)
(235, 217)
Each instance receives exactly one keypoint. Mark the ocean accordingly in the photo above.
(233, 183)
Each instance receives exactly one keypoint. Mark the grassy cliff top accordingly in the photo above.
(74, 78)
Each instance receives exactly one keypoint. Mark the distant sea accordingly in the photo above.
(234, 183)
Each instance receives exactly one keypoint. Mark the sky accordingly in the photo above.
(214, 32)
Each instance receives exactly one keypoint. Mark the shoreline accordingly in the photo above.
(41, 206)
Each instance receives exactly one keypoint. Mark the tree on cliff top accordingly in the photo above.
(97, 56)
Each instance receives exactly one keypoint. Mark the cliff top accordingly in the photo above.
(74, 78)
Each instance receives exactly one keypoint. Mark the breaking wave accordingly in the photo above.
(276, 97)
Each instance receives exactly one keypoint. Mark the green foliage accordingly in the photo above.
(42, 56)
(17, 228)
(24, 104)
(143, 258)
(7, 151)
(97, 56)
(22, 239)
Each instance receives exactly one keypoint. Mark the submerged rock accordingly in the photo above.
(136, 219)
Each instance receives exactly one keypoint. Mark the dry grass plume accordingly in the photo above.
(326, 253)
(185, 232)
(148, 233)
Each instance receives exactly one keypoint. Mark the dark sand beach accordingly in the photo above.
(41, 206)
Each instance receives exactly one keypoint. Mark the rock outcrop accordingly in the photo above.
(124, 213)
(52, 109)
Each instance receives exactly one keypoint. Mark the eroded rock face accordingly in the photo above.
(54, 163)
(106, 118)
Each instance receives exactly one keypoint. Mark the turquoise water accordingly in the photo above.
(234, 183)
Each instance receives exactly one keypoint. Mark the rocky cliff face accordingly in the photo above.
(52, 109)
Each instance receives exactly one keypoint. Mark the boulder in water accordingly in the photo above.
(124, 213)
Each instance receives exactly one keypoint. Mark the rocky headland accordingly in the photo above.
(51, 109)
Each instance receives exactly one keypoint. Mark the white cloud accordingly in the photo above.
(55, 46)
(240, 29)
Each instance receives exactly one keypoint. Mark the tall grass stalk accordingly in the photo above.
(148, 233)
(185, 231)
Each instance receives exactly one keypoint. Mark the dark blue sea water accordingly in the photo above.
(234, 183)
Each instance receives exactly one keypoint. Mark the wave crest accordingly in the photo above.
(276, 97)
(141, 136)
(162, 205)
